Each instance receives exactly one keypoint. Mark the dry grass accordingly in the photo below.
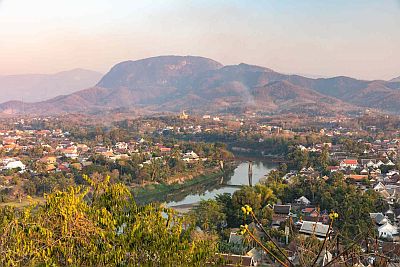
(24, 202)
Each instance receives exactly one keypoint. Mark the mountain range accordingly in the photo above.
(198, 84)
(395, 79)
(39, 87)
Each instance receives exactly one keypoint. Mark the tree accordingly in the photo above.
(323, 159)
(209, 215)
(99, 225)
(246, 196)
(298, 158)
(266, 195)
(225, 200)
(283, 169)
(29, 188)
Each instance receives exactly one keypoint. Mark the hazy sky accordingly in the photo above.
(354, 38)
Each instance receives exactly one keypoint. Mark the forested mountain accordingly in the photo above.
(174, 83)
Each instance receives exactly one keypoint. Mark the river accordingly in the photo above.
(238, 177)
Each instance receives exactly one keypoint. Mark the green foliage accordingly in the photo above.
(246, 196)
(98, 225)
(225, 200)
(209, 215)
(298, 159)
(257, 197)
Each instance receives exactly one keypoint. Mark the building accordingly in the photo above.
(314, 228)
(15, 165)
(349, 163)
(303, 201)
(190, 157)
(387, 231)
(183, 116)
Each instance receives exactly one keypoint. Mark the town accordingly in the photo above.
(335, 165)
(200, 133)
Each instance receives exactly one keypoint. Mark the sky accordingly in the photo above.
(355, 38)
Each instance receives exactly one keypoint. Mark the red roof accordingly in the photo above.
(165, 149)
(357, 177)
(63, 168)
(350, 161)
(308, 210)
(333, 168)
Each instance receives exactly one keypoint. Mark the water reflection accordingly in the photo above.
(214, 187)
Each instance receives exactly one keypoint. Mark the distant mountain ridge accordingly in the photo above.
(198, 84)
(39, 87)
(395, 79)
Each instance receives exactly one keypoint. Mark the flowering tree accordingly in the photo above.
(98, 225)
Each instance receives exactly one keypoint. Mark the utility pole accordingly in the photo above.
(221, 165)
(337, 245)
(250, 173)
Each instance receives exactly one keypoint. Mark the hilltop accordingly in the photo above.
(198, 84)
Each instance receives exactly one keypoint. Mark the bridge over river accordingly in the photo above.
(245, 174)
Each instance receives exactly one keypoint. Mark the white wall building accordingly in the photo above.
(14, 165)
(387, 231)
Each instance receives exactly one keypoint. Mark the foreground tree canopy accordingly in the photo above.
(99, 225)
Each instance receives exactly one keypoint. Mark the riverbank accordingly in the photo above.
(184, 208)
(176, 191)
(258, 156)
(206, 186)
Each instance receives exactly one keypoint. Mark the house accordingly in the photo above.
(76, 166)
(303, 201)
(349, 163)
(49, 160)
(63, 168)
(390, 163)
(235, 239)
(82, 147)
(237, 260)
(392, 173)
(318, 229)
(368, 163)
(70, 152)
(15, 165)
(190, 157)
(50, 167)
(385, 194)
(333, 168)
(86, 163)
(310, 213)
(379, 187)
(325, 178)
(281, 214)
(390, 214)
(387, 231)
(282, 209)
(257, 254)
(164, 149)
(216, 119)
(309, 171)
(378, 218)
(356, 177)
